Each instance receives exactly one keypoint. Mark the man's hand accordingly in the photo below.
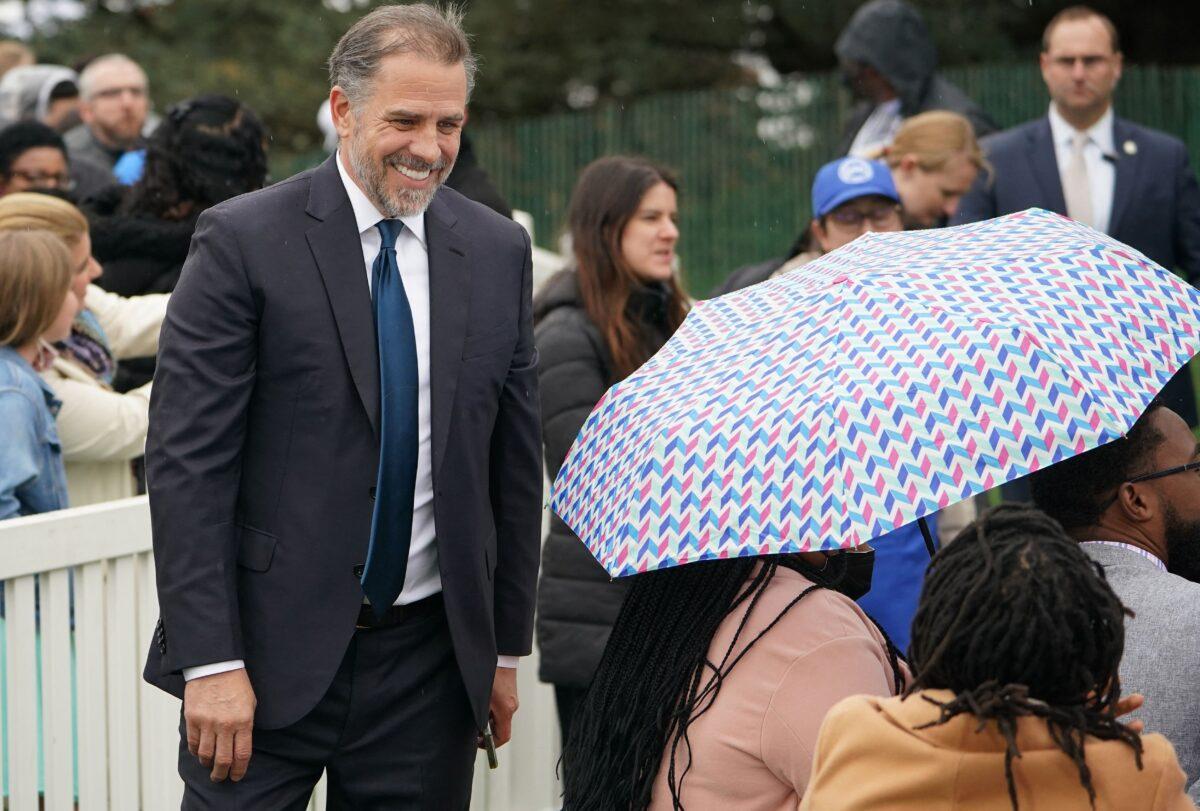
(219, 713)
(1131, 703)
(503, 704)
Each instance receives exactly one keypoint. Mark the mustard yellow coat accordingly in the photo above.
(869, 757)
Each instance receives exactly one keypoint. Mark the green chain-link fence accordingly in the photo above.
(746, 156)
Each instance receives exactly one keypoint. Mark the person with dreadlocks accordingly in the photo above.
(1016, 646)
(1134, 507)
(715, 680)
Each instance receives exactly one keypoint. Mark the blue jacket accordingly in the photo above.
(900, 562)
(32, 478)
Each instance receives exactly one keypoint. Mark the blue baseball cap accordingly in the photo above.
(847, 179)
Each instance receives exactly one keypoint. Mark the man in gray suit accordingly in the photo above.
(344, 458)
(1134, 505)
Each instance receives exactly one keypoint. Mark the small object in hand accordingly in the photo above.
(489, 743)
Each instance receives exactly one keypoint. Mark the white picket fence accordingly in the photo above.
(116, 746)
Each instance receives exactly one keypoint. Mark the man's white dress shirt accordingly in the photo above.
(422, 578)
(1102, 172)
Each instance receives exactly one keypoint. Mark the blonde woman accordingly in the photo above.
(36, 306)
(101, 431)
(934, 159)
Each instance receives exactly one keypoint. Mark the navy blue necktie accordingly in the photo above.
(391, 523)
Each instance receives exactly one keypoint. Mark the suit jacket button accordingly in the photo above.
(358, 570)
(372, 494)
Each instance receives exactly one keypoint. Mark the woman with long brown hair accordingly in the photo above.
(597, 321)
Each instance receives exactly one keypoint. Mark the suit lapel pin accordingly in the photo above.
(1129, 147)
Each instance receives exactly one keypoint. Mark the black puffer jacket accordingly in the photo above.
(140, 254)
(577, 600)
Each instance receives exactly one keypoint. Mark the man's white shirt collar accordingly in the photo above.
(1100, 133)
(366, 215)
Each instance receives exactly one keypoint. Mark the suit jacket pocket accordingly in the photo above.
(256, 549)
(489, 556)
(502, 337)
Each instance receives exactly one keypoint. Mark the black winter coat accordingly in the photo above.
(577, 601)
(140, 255)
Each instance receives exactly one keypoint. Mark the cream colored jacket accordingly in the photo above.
(102, 431)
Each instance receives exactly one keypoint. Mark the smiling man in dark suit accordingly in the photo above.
(344, 457)
(1131, 182)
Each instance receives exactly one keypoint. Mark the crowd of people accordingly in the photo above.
(653, 711)
(1000, 674)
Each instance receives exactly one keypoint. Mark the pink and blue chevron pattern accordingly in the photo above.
(886, 380)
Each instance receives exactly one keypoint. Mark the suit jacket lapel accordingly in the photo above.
(1045, 167)
(338, 252)
(1126, 166)
(449, 297)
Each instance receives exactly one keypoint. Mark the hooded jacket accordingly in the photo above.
(577, 601)
(25, 91)
(890, 36)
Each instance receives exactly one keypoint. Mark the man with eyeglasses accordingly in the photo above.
(850, 196)
(1134, 506)
(1080, 159)
(114, 104)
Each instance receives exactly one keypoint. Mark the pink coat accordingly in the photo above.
(753, 749)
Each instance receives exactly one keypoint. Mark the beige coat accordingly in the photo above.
(871, 756)
(102, 432)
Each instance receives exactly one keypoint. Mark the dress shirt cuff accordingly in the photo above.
(507, 661)
(200, 671)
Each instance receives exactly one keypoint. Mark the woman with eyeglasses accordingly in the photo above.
(32, 156)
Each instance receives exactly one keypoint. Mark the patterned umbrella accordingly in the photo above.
(870, 388)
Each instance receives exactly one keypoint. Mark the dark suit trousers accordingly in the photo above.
(394, 731)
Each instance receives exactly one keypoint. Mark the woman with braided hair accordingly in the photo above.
(1015, 702)
(715, 680)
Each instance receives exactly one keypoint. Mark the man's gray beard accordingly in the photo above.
(373, 176)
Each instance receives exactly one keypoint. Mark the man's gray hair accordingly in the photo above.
(422, 29)
(87, 78)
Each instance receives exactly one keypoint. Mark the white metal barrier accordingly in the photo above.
(115, 746)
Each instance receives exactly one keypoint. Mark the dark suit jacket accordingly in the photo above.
(1156, 201)
(264, 445)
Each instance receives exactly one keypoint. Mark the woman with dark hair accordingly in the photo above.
(206, 150)
(1016, 646)
(716, 679)
(595, 323)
